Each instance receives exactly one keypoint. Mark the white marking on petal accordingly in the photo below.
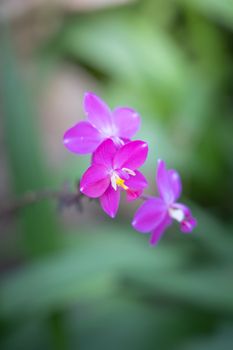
(113, 181)
(176, 214)
(117, 140)
(110, 131)
(129, 171)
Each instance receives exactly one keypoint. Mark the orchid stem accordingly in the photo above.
(145, 197)
(63, 197)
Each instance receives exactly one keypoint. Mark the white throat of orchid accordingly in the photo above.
(111, 132)
(117, 181)
(176, 214)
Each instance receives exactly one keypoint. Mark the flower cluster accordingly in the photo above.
(115, 160)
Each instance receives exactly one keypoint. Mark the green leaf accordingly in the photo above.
(26, 161)
(221, 11)
(81, 273)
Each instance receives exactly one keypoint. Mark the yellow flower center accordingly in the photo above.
(121, 183)
(116, 180)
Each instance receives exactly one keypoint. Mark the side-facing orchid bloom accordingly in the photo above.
(157, 213)
(120, 125)
(112, 170)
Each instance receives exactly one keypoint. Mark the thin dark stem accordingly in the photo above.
(63, 197)
(145, 197)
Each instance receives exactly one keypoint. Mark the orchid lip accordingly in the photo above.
(116, 181)
(176, 214)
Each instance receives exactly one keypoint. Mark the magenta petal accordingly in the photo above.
(95, 181)
(82, 138)
(175, 183)
(127, 121)
(97, 111)
(104, 153)
(163, 182)
(132, 155)
(110, 201)
(159, 230)
(188, 225)
(136, 185)
(149, 215)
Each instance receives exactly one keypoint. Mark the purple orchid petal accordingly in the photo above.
(105, 153)
(82, 138)
(131, 156)
(95, 181)
(175, 182)
(163, 181)
(110, 201)
(136, 185)
(149, 215)
(188, 225)
(159, 230)
(98, 113)
(127, 121)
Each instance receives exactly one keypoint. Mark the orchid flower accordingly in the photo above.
(112, 170)
(157, 213)
(120, 125)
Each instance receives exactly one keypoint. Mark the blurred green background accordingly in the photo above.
(72, 280)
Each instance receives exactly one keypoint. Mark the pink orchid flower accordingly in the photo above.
(119, 125)
(157, 213)
(114, 169)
